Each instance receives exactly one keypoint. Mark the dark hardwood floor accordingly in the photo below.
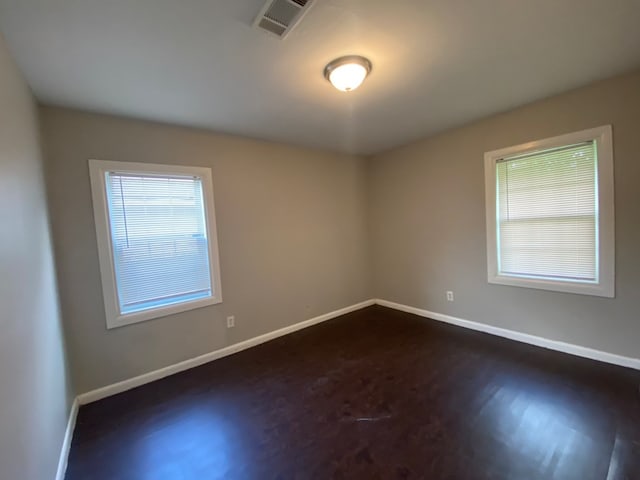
(376, 394)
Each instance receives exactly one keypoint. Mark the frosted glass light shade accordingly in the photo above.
(347, 73)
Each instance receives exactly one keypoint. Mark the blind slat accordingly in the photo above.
(547, 213)
(158, 231)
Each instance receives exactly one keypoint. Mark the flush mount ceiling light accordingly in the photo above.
(347, 73)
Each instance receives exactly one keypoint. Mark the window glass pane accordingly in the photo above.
(160, 245)
(547, 214)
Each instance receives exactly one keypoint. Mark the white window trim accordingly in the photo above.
(97, 172)
(605, 286)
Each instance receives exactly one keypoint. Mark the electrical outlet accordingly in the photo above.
(449, 296)
(231, 321)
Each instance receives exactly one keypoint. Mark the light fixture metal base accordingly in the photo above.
(347, 59)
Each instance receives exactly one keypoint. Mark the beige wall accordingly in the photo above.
(291, 227)
(427, 217)
(303, 232)
(35, 392)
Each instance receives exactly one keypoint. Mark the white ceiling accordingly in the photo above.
(436, 63)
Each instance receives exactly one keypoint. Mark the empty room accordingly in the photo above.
(320, 239)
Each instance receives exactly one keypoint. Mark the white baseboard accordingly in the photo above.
(520, 337)
(130, 383)
(66, 443)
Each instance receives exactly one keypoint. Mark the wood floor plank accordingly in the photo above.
(375, 394)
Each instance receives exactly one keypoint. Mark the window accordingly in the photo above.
(550, 219)
(157, 242)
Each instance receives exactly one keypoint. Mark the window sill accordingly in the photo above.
(144, 315)
(580, 288)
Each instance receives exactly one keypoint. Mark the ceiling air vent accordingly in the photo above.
(278, 17)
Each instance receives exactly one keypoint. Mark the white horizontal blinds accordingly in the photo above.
(159, 239)
(547, 214)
